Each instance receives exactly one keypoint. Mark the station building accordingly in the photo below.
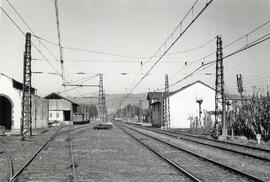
(61, 109)
(11, 105)
(184, 105)
(155, 100)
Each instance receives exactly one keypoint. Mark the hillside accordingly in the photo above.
(113, 100)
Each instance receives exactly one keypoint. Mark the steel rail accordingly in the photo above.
(72, 157)
(74, 129)
(234, 170)
(230, 143)
(56, 133)
(14, 177)
(172, 134)
(9, 159)
(173, 164)
(218, 141)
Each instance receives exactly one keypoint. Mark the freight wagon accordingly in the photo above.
(80, 118)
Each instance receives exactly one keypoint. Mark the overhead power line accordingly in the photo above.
(178, 32)
(31, 30)
(247, 46)
(88, 50)
(24, 21)
(109, 61)
(79, 85)
(183, 51)
(229, 45)
(122, 55)
(59, 38)
(34, 34)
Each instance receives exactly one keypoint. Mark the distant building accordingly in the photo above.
(184, 106)
(155, 100)
(61, 109)
(11, 105)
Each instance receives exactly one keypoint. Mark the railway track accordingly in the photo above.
(72, 157)
(5, 175)
(249, 151)
(63, 134)
(27, 163)
(187, 162)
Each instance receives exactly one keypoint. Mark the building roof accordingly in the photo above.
(155, 95)
(57, 96)
(198, 81)
(18, 85)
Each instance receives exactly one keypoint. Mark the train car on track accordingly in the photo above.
(80, 118)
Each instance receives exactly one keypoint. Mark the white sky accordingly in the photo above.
(135, 28)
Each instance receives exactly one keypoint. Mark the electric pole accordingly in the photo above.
(219, 96)
(26, 119)
(100, 98)
(104, 107)
(166, 104)
(240, 86)
(140, 110)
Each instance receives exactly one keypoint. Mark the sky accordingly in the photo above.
(135, 29)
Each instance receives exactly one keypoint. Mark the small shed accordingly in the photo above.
(61, 109)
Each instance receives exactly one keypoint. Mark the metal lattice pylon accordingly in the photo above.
(240, 86)
(104, 108)
(166, 104)
(100, 97)
(219, 97)
(26, 119)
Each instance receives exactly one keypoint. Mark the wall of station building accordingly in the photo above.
(14, 96)
(40, 106)
(183, 105)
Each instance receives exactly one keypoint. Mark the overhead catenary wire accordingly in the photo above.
(232, 43)
(59, 38)
(122, 55)
(34, 35)
(228, 45)
(23, 33)
(27, 25)
(31, 30)
(79, 86)
(247, 46)
(88, 50)
(179, 26)
(107, 61)
(184, 51)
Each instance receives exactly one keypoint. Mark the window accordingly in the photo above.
(50, 115)
(57, 115)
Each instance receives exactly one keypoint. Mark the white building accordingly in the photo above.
(61, 109)
(11, 105)
(184, 107)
